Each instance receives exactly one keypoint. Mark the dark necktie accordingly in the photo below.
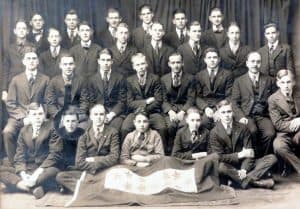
(141, 137)
(72, 35)
(181, 37)
(212, 76)
(196, 49)
(55, 52)
(31, 82)
(255, 82)
(156, 49)
(105, 81)
(228, 130)
(272, 49)
(20, 47)
(176, 80)
(194, 136)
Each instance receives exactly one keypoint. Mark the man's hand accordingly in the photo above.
(26, 121)
(139, 158)
(180, 115)
(142, 164)
(295, 124)
(90, 159)
(243, 121)
(4, 96)
(209, 112)
(246, 153)
(109, 117)
(173, 116)
(242, 174)
(150, 100)
(199, 155)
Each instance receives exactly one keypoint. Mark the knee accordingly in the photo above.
(222, 168)
(269, 133)
(252, 127)
(271, 159)
(60, 177)
(279, 146)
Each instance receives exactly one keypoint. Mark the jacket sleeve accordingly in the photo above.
(81, 155)
(236, 100)
(200, 102)
(119, 108)
(190, 97)
(20, 156)
(157, 95)
(247, 163)
(51, 99)
(177, 149)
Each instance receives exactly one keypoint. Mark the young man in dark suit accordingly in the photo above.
(107, 37)
(233, 143)
(275, 56)
(123, 51)
(192, 51)
(213, 84)
(37, 34)
(70, 36)
(216, 36)
(179, 35)
(49, 59)
(250, 95)
(284, 110)
(178, 95)
(106, 87)
(234, 53)
(157, 52)
(86, 52)
(141, 35)
(97, 149)
(25, 88)
(144, 91)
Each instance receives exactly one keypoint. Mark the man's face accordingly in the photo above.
(271, 35)
(37, 22)
(146, 15)
(30, 61)
(113, 19)
(254, 62)
(194, 121)
(97, 116)
(286, 84)
(157, 32)
(226, 114)
(179, 20)
(85, 33)
(175, 63)
(195, 33)
(67, 66)
(122, 34)
(105, 62)
(216, 17)
(212, 60)
(71, 21)
(140, 66)
(70, 122)
(21, 30)
(233, 33)
(141, 123)
(37, 116)
(54, 38)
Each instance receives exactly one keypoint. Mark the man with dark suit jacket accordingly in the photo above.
(49, 59)
(106, 87)
(250, 95)
(284, 110)
(37, 156)
(216, 36)
(233, 143)
(178, 95)
(70, 36)
(192, 51)
(144, 91)
(107, 37)
(141, 35)
(86, 52)
(213, 84)
(123, 51)
(234, 53)
(157, 52)
(25, 88)
(37, 34)
(274, 55)
(179, 35)
(97, 149)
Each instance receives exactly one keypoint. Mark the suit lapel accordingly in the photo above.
(136, 84)
(248, 84)
(148, 83)
(206, 79)
(235, 135)
(25, 81)
(262, 85)
(99, 81)
(184, 81)
(102, 140)
(75, 84)
(283, 103)
(277, 51)
(28, 137)
(36, 85)
(41, 137)
(222, 133)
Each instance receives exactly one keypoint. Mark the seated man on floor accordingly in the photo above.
(97, 149)
(191, 142)
(233, 142)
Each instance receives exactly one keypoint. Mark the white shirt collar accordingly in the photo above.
(275, 44)
(233, 47)
(219, 28)
(254, 76)
(178, 31)
(146, 27)
(75, 31)
(173, 74)
(119, 45)
(101, 128)
(225, 125)
(102, 74)
(144, 77)
(192, 43)
(30, 73)
(57, 47)
(153, 43)
(215, 70)
(86, 44)
(112, 30)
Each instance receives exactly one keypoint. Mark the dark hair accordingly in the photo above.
(177, 11)
(72, 12)
(284, 72)
(252, 52)
(71, 110)
(35, 106)
(157, 23)
(215, 9)
(53, 29)
(269, 25)
(85, 23)
(210, 49)
(176, 53)
(105, 51)
(222, 103)
(64, 54)
(28, 49)
(36, 13)
(112, 10)
(232, 24)
(141, 111)
(145, 6)
(194, 23)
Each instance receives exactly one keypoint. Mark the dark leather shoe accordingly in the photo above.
(38, 192)
(264, 183)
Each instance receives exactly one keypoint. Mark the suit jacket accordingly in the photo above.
(182, 99)
(140, 38)
(137, 98)
(105, 39)
(282, 59)
(172, 39)
(12, 64)
(20, 96)
(66, 42)
(209, 96)
(45, 151)
(55, 94)
(41, 45)
(192, 63)
(93, 93)
(228, 147)
(184, 147)
(50, 65)
(85, 60)
(243, 99)
(209, 38)
(105, 150)
(235, 62)
(281, 113)
(122, 62)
